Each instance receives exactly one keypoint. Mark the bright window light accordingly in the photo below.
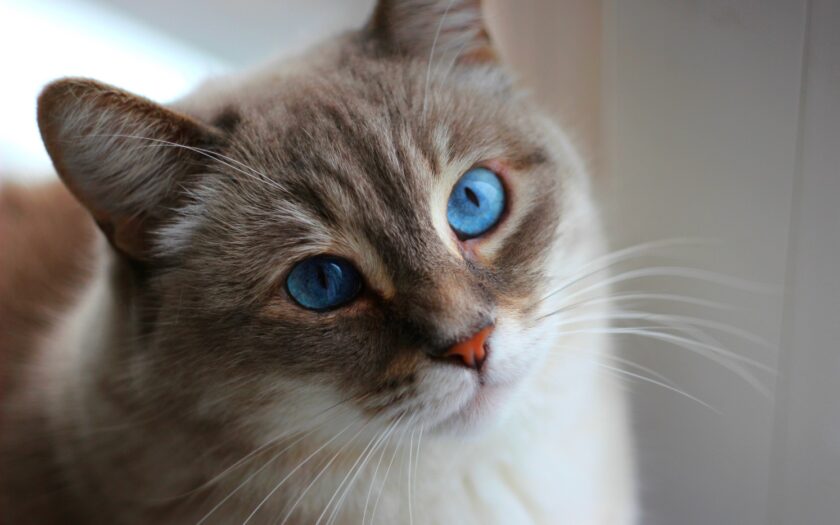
(43, 40)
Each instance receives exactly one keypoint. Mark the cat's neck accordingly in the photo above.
(110, 444)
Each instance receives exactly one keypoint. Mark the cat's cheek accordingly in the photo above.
(294, 405)
(516, 350)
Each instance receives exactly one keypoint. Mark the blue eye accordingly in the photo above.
(323, 282)
(476, 203)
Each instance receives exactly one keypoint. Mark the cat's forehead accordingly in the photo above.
(391, 122)
(358, 157)
(354, 106)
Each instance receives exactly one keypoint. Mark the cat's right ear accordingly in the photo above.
(124, 157)
(453, 30)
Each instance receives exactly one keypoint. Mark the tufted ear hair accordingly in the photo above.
(454, 28)
(121, 156)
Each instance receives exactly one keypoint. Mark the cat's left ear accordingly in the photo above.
(433, 29)
(125, 158)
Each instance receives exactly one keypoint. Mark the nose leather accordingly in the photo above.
(471, 352)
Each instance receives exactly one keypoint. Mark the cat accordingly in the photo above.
(338, 289)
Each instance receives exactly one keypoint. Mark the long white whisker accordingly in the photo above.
(677, 271)
(206, 152)
(703, 342)
(639, 297)
(680, 321)
(455, 57)
(159, 143)
(658, 383)
(408, 477)
(746, 335)
(432, 55)
(252, 173)
(643, 368)
(368, 455)
(344, 479)
(256, 472)
(617, 359)
(376, 471)
(416, 464)
(314, 480)
(270, 442)
(298, 467)
(607, 260)
(714, 354)
(384, 482)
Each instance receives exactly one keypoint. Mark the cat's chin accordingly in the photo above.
(488, 408)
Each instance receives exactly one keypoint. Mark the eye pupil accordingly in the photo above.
(323, 282)
(322, 277)
(476, 203)
(473, 198)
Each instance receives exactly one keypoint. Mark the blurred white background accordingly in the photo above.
(714, 119)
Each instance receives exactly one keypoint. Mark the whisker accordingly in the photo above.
(384, 482)
(684, 324)
(455, 57)
(610, 259)
(334, 514)
(714, 354)
(416, 463)
(633, 296)
(256, 472)
(703, 341)
(661, 380)
(218, 157)
(298, 467)
(746, 335)
(612, 357)
(637, 366)
(679, 271)
(376, 472)
(680, 320)
(408, 476)
(659, 383)
(215, 155)
(432, 56)
(264, 446)
(341, 485)
(312, 482)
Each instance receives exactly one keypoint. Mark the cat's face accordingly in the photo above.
(352, 154)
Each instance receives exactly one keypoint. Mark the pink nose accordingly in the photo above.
(471, 351)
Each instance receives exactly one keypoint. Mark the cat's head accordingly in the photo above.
(364, 233)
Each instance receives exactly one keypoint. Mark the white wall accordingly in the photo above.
(805, 483)
(47, 39)
(721, 121)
